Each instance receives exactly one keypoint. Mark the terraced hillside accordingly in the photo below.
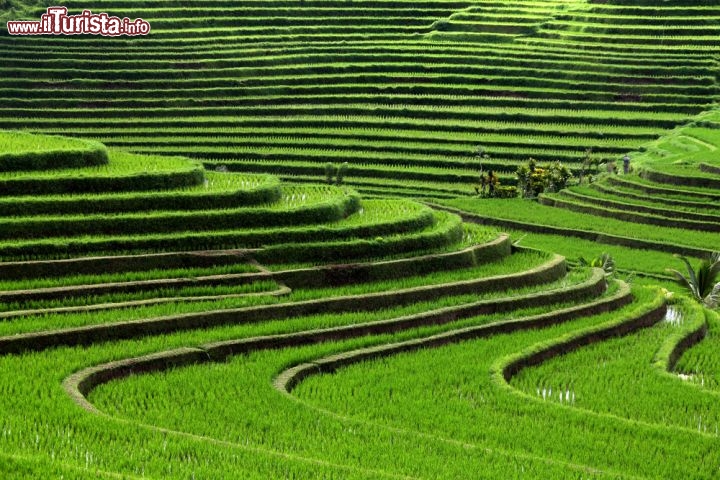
(195, 300)
(137, 319)
(106, 264)
(119, 287)
(405, 92)
(668, 205)
(678, 185)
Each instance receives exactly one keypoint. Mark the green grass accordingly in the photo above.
(175, 296)
(376, 219)
(40, 322)
(21, 151)
(70, 280)
(460, 401)
(299, 206)
(406, 93)
(220, 191)
(599, 195)
(626, 259)
(700, 363)
(534, 213)
(18, 143)
(121, 164)
(151, 400)
(599, 375)
(275, 432)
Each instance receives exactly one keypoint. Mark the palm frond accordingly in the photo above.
(608, 264)
(692, 277)
(715, 257)
(713, 298)
(714, 267)
(680, 278)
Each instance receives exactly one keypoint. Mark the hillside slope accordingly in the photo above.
(405, 92)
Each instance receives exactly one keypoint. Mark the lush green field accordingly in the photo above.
(251, 245)
(398, 90)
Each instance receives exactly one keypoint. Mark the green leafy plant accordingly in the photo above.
(557, 176)
(702, 283)
(329, 172)
(489, 186)
(341, 172)
(534, 180)
(604, 261)
(506, 191)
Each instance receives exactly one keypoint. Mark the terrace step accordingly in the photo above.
(425, 174)
(595, 236)
(21, 151)
(287, 380)
(604, 208)
(352, 233)
(707, 168)
(124, 173)
(219, 191)
(664, 190)
(550, 271)
(625, 192)
(611, 202)
(709, 181)
(322, 276)
(80, 384)
(299, 206)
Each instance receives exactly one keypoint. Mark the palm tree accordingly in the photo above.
(703, 283)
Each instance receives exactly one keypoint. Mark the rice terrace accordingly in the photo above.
(360, 239)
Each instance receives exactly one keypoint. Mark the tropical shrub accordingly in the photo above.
(506, 191)
(534, 180)
(490, 187)
(558, 176)
(702, 283)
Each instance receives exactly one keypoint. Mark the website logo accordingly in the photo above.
(57, 22)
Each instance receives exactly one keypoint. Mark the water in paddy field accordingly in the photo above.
(673, 316)
(562, 395)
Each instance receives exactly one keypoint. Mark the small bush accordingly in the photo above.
(329, 172)
(534, 180)
(506, 192)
